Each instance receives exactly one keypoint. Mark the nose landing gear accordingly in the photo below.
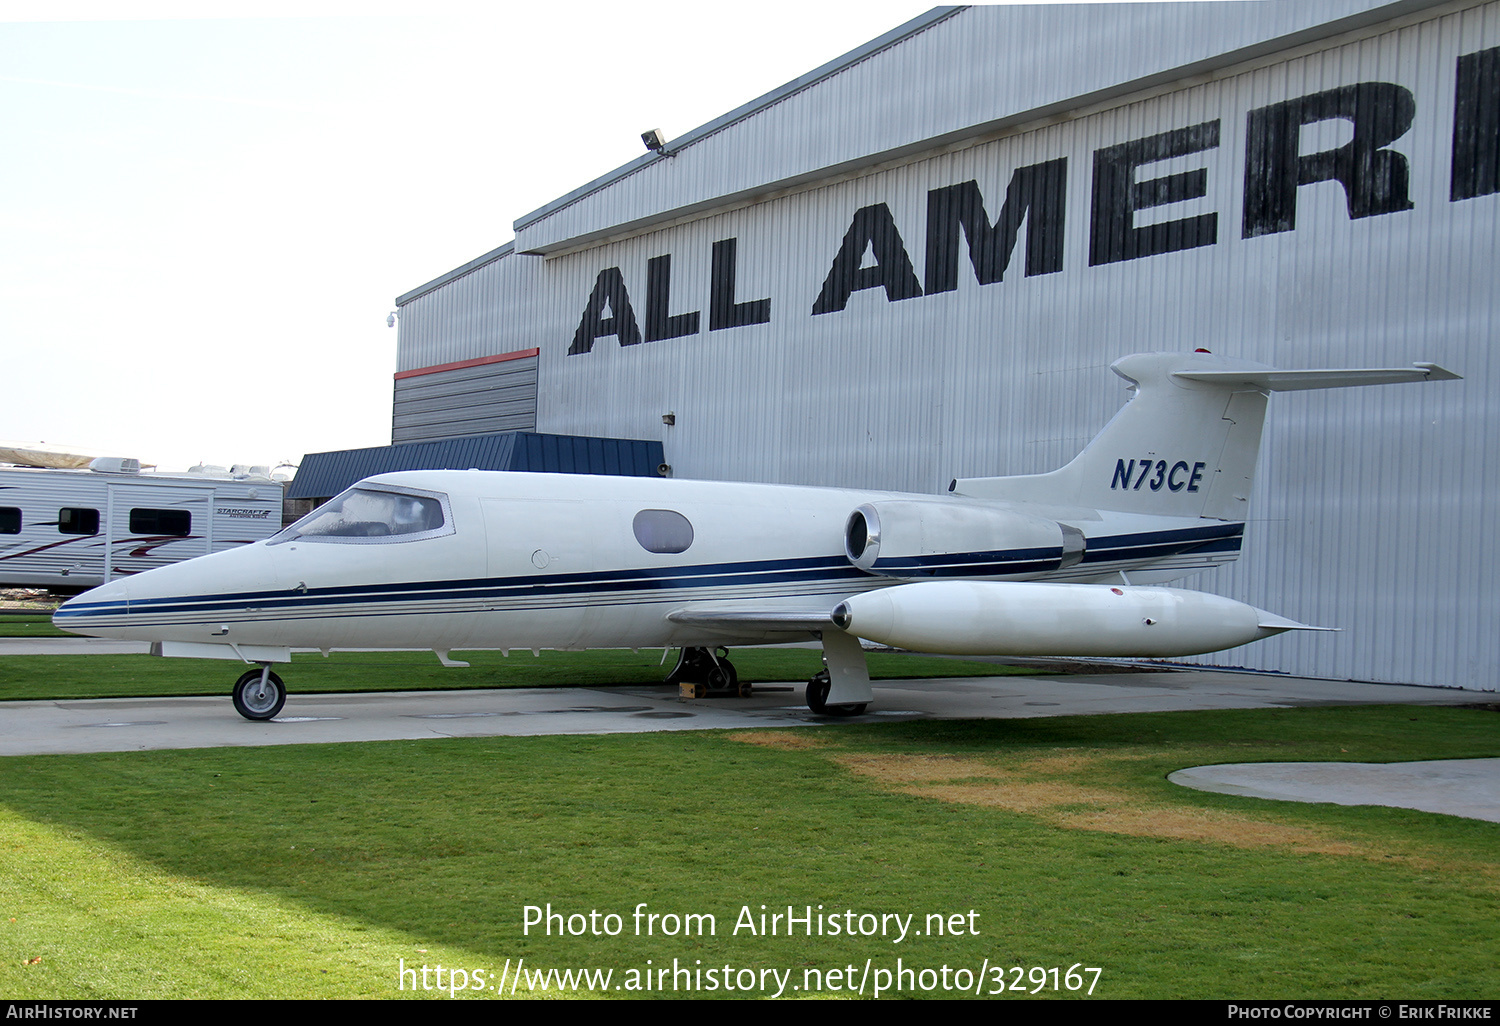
(259, 694)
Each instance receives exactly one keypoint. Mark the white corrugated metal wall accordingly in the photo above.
(1372, 508)
(940, 75)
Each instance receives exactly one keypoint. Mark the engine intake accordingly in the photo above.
(914, 539)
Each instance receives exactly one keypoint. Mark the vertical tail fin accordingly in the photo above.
(1186, 443)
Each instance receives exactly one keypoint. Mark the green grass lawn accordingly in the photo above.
(317, 871)
(36, 624)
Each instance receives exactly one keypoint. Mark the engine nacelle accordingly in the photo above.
(1042, 619)
(915, 539)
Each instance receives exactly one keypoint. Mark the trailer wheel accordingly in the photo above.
(256, 702)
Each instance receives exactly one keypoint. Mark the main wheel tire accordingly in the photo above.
(723, 677)
(817, 692)
(817, 698)
(255, 702)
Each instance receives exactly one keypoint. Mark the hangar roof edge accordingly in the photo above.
(1333, 18)
(457, 272)
(918, 24)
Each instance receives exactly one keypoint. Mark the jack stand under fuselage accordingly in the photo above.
(701, 670)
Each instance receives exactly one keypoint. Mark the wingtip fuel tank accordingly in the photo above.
(1044, 619)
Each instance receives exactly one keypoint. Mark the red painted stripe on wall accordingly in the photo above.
(519, 354)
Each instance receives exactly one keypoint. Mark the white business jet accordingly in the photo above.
(1059, 564)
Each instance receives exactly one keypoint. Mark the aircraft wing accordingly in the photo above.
(757, 621)
(1298, 380)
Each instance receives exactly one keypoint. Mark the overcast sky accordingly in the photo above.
(205, 221)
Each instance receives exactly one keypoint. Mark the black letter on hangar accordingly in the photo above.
(1476, 126)
(1374, 179)
(874, 230)
(609, 294)
(659, 323)
(1039, 190)
(1113, 235)
(723, 311)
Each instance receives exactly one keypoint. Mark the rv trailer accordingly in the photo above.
(70, 530)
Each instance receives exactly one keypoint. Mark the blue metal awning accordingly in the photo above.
(325, 474)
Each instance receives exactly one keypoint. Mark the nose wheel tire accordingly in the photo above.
(255, 700)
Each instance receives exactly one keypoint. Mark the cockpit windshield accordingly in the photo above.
(366, 514)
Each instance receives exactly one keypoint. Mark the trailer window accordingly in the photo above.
(10, 520)
(78, 521)
(175, 522)
(370, 514)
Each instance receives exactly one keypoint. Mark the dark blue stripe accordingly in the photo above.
(995, 563)
(813, 569)
(822, 568)
(1156, 544)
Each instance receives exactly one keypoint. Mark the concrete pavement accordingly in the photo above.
(105, 725)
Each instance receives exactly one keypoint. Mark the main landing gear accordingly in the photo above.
(259, 694)
(706, 670)
(817, 698)
(843, 689)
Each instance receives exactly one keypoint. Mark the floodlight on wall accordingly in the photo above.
(654, 140)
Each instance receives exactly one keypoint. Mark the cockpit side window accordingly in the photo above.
(370, 514)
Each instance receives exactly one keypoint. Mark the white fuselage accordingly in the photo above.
(561, 561)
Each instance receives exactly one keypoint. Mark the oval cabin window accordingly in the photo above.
(662, 530)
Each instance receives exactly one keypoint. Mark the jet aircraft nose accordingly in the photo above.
(173, 602)
(87, 613)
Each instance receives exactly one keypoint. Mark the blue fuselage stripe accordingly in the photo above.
(572, 589)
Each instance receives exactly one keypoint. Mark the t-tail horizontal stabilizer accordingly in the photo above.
(1302, 380)
(1186, 444)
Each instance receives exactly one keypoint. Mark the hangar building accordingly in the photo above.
(917, 263)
